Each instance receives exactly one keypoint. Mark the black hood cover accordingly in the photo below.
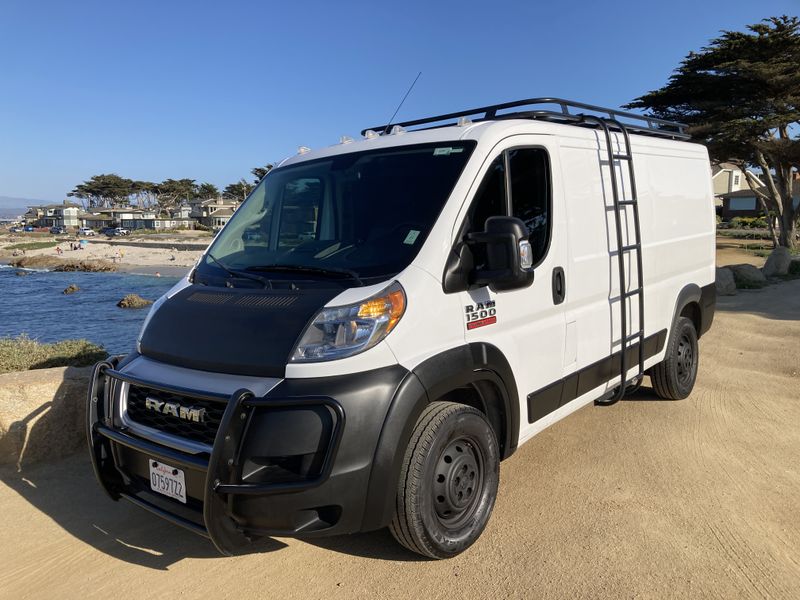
(230, 330)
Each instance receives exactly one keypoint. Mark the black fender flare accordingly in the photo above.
(706, 299)
(431, 379)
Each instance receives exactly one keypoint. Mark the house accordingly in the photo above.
(728, 177)
(181, 212)
(173, 222)
(136, 218)
(743, 203)
(95, 221)
(213, 213)
(53, 215)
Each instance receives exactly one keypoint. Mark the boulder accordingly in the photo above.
(794, 267)
(53, 263)
(748, 277)
(725, 283)
(71, 289)
(134, 301)
(42, 414)
(777, 263)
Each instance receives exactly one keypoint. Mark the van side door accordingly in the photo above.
(527, 325)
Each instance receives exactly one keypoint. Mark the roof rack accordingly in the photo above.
(566, 114)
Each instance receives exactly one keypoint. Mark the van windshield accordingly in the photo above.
(363, 214)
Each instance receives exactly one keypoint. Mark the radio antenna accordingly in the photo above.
(413, 83)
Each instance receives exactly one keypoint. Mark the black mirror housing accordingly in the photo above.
(503, 269)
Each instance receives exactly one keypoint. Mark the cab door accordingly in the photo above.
(528, 325)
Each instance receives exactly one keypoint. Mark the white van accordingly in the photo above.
(384, 320)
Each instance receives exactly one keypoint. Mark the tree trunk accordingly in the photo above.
(762, 200)
(788, 234)
(770, 222)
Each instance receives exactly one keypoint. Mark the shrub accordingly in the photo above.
(748, 223)
(32, 245)
(22, 354)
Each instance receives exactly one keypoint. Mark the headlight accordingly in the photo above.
(342, 331)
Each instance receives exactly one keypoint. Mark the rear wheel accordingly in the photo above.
(674, 377)
(448, 483)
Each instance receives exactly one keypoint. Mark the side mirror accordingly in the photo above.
(508, 254)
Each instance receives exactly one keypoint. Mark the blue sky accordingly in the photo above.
(152, 90)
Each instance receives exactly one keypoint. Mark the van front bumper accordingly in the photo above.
(302, 460)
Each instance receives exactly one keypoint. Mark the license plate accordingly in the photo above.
(167, 480)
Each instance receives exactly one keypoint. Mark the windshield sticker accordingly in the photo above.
(411, 237)
(446, 151)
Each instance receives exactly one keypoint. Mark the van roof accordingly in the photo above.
(551, 116)
(483, 132)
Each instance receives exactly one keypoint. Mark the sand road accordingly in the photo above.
(643, 499)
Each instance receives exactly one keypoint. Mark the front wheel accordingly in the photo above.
(448, 483)
(674, 377)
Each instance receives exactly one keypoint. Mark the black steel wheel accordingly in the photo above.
(448, 483)
(674, 377)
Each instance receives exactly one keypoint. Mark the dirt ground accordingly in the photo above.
(729, 252)
(644, 499)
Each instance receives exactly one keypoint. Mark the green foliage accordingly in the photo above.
(238, 191)
(104, 190)
(748, 223)
(747, 234)
(32, 245)
(740, 95)
(111, 190)
(22, 354)
(260, 172)
(171, 192)
(207, 191)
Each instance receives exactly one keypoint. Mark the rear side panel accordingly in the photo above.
(677, 225)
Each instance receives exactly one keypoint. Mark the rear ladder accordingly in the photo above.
(628, 335)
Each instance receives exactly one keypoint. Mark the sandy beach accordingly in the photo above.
(167, 256)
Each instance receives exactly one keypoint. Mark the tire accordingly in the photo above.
(674, 377)
(448, 482)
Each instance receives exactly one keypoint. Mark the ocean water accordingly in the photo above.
(35, 305)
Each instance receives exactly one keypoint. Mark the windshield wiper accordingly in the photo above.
(306, 269)
(243, 274)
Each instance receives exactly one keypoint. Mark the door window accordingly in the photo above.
(530, 201)
(530, 196)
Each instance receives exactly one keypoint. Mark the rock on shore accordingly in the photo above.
(42, 414)
(134, 301)
(53, 263)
